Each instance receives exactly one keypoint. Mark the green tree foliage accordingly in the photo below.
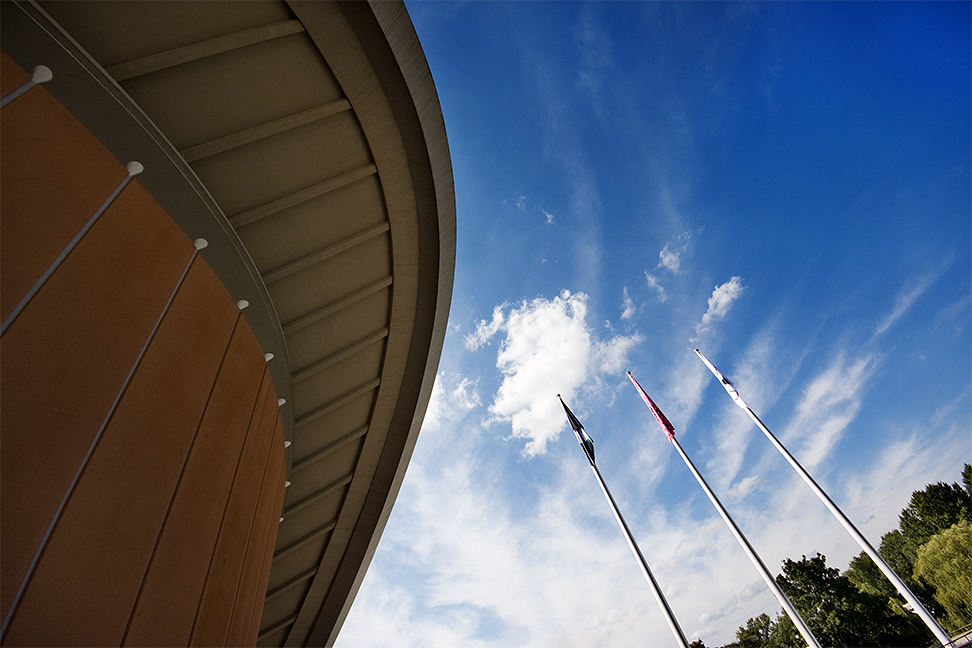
(838, 613)
(933, 510)
(931, 552)
(755, 633)
(945, 562)
(763, 632)
(867, 577)
(900, 556)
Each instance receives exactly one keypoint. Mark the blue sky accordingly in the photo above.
(785, 186)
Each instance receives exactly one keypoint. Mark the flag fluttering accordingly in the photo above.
(736, 398)
(579, 432)
(658, 414)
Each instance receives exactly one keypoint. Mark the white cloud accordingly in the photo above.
(627, 305)
(719, 303)
(828, 406)
(904, 301)
(872, 499)
(669, 259)
(548, 350)
(595, 56)
(744, 487)
(485, 330)
(654, 285)
(451, 396)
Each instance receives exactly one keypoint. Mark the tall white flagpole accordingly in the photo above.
(899, 584)
(587, 445)
(743, 542)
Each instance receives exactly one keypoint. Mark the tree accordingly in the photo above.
(785, 634)
(839, 614)
(945, 562)
(868, 577)
(756, 633)
(762, 632)
(898, 553)
(933, 510)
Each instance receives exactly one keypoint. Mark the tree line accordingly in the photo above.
(931, 550)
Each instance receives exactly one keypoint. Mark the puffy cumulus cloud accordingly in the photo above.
(719, 303)
(548, 350)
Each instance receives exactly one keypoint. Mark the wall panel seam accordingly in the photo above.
(239, 461)
(253, 528)
(182, 472)
(73, 243)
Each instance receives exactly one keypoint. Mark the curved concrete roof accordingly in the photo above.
(305, 141)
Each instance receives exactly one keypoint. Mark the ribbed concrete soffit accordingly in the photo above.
(306, 139)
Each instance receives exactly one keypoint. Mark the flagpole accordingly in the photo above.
(899, 584)
(740, 538)
(655, 589)
(587, 445)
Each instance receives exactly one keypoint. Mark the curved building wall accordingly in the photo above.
(141, 443)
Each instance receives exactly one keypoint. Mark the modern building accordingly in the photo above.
(227, 243)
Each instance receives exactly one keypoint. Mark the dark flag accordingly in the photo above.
(579, 432)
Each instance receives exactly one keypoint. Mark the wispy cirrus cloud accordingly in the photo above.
(595, 56)
(548, 349)
(628, 309)
(523, 204)
(656, 286)
(764, 371)
(829, 404)
(906, 299)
